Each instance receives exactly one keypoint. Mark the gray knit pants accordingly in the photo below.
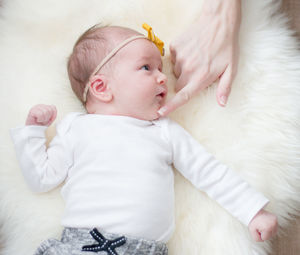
(87, 242)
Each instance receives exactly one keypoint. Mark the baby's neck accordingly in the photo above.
(103, 109)
(99, 108)
(110, 109)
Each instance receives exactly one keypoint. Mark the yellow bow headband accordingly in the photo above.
(151, 36)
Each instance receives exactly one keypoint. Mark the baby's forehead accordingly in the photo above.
(143, 49)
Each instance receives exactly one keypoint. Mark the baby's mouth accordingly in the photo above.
(162, 95)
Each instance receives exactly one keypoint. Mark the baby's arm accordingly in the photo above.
(43, 168)
(220, 183)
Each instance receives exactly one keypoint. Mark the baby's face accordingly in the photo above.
(138, 84)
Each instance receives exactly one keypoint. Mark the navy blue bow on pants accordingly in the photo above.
(104, 244)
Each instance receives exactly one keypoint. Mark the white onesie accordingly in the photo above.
(118, 173)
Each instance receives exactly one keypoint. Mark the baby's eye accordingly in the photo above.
(145, 67)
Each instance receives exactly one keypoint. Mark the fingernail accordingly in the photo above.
(223, 100)
(161, 111)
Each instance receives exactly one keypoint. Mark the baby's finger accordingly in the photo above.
(41, 116)
(50, 114)
(45, 114)
(256, 235)
(266, 235)
(270, 229)
(54, 114)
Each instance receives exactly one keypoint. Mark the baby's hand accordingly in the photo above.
(41, 115)
(263, 226)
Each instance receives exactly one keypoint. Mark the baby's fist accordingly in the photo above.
(263, 226)
(41, 115)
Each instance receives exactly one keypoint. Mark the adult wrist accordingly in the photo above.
(227, 10)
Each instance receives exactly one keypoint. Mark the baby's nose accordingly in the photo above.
(162, 79)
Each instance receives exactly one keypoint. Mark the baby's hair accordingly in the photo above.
(89, 50)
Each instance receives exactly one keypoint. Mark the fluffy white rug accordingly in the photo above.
(257, 134)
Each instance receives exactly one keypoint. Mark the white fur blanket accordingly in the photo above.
(257, 134)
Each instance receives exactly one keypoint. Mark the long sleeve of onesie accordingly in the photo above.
(43, 168)
(208, 174)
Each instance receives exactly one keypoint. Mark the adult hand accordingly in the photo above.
(205, 52)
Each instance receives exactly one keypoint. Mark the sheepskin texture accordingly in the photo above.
(257, 134)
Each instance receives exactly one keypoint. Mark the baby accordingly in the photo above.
(116, 160)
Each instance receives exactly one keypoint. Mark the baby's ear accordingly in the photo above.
(99, 88)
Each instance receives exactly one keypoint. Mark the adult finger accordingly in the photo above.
(185, 94)
(172, 53)
(181, 82)
(177, 69)
(224, 86)
(180, 98)
(201, 78)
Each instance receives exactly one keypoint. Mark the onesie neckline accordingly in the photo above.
(122, 118)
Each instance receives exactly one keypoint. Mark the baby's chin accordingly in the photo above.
(156, 116)
(153, 115)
